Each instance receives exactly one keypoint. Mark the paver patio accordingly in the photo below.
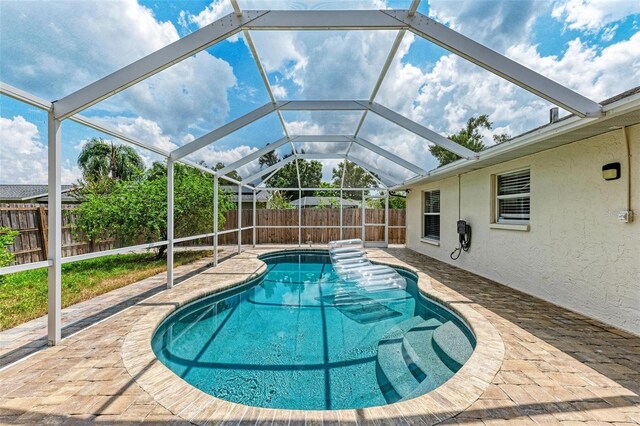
(559, 367)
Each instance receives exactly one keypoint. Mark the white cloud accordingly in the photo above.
(145, 130)
(212, 156)
(23, 135)
(280, 51)
(609, 33)
(151, 133)
(320, 65)
(497, 24)
(187, 99)
(304, 127)
(446, 95)
(322, 122)
(70, 44)
(397, 141)
(58, 47)
(212, 12)
(279, 92)
(71, 173)
(593, 15)
(23, 157)
(343, 65)
(595, 74)
(190, 95)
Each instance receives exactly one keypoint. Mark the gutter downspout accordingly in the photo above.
(459, 198)
(625, 136)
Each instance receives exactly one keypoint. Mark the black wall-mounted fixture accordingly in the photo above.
(611, 171)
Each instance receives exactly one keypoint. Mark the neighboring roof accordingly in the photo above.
(234, 189)
(324, 201)
(619, 111)
(247, 194)
(30, 193)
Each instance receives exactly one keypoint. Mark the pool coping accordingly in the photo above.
(196, 406)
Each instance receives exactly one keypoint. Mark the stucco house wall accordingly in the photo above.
(576, 253)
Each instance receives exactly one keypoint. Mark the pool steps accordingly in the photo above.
(452, 345)
(350, 263)
(394, 376)
(409, 351)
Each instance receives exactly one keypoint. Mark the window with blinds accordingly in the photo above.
(513, 203)
(431, 226)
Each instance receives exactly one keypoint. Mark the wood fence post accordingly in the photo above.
(43, 233)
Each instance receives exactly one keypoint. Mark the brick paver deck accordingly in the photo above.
(559, 367)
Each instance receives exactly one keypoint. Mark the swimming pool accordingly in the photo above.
(300, 338)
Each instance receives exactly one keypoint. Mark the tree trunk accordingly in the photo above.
(113, 161)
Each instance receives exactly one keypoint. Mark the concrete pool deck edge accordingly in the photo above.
(193, 405)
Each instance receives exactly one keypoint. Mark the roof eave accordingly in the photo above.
(565, 126)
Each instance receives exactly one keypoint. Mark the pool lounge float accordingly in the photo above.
(350, 262)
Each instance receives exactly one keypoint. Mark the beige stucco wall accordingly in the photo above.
(576, 254)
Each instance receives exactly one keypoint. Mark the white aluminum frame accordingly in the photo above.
(322, 105)
(326, 20)
(54, 217)
(245, 21)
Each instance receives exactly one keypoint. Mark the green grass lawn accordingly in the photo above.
(23, 295)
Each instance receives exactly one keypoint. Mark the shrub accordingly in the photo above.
(7, 237)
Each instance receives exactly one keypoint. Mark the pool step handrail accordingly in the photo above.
(350, 263)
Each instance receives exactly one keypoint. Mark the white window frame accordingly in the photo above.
(425, 213)
(496, 204)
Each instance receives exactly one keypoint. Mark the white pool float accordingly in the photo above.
(350, 262)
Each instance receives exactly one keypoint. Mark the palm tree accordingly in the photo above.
(101, 159)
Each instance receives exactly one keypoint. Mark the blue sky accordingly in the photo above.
(53, 48)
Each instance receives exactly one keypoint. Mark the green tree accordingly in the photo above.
(287, 177)
(354, 177)
(269, 159)
(330, 191)
(278, 201)
(500, 138)
(100, 159)
(330, 197)
(468, 137)
(374, 203)
(397, 202)
(233, 174)
(136, 211)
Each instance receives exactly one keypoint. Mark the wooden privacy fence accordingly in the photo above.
(281, 226)
(31, 244)
(273, 227)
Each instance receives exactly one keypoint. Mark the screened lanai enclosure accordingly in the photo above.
(388, 169)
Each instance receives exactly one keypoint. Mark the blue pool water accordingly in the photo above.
(300, 338)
